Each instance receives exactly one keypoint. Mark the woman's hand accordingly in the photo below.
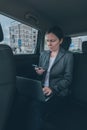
(39, 70)
(47, 91)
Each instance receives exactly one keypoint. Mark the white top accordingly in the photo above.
(51, 61)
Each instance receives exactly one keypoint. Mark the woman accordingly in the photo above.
(55, 69)
(56, 65)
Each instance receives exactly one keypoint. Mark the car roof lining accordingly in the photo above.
(70, 15)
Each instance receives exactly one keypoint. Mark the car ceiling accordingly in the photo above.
(69, 14)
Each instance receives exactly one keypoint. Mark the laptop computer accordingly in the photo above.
(31, 88)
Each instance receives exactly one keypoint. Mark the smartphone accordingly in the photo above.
(35, 65)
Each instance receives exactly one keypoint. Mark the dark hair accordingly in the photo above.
(66, 42)
(56, 31)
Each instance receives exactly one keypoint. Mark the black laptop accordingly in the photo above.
(31, 88)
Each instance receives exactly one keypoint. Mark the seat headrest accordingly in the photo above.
(1, 33)
(66, 43)
(7, 65)
(84, 47)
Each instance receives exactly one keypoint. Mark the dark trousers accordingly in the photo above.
(41, 111)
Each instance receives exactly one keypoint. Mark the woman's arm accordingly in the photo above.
(65, 82)
(40, 70)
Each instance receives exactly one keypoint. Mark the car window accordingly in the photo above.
(76, 44)
(20, 37)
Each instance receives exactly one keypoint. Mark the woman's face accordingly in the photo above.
(53, 41)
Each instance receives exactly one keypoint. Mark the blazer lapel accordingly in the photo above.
(59, 56)
(46, 60)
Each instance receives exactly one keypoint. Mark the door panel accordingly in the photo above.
(24, 66)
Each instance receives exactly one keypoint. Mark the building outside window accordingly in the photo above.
(20, 37)
(76, 44)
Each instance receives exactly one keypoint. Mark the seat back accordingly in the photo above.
(7, 83)
(79, 85)
(84, 47)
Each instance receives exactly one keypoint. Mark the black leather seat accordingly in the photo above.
(7, 83)
(84, 47)
(76, 115)
(79, 87)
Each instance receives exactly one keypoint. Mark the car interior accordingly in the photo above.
(16, 70)
(7, 82)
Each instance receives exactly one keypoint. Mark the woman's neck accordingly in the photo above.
(54, 53)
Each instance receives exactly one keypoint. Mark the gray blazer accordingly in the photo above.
(61, 72)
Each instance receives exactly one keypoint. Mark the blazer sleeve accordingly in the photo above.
(41, 61)
(65, 82)
(44, 60)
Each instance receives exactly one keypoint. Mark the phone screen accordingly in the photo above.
(35, 65)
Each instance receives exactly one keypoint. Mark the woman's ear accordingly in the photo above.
(61, 40)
